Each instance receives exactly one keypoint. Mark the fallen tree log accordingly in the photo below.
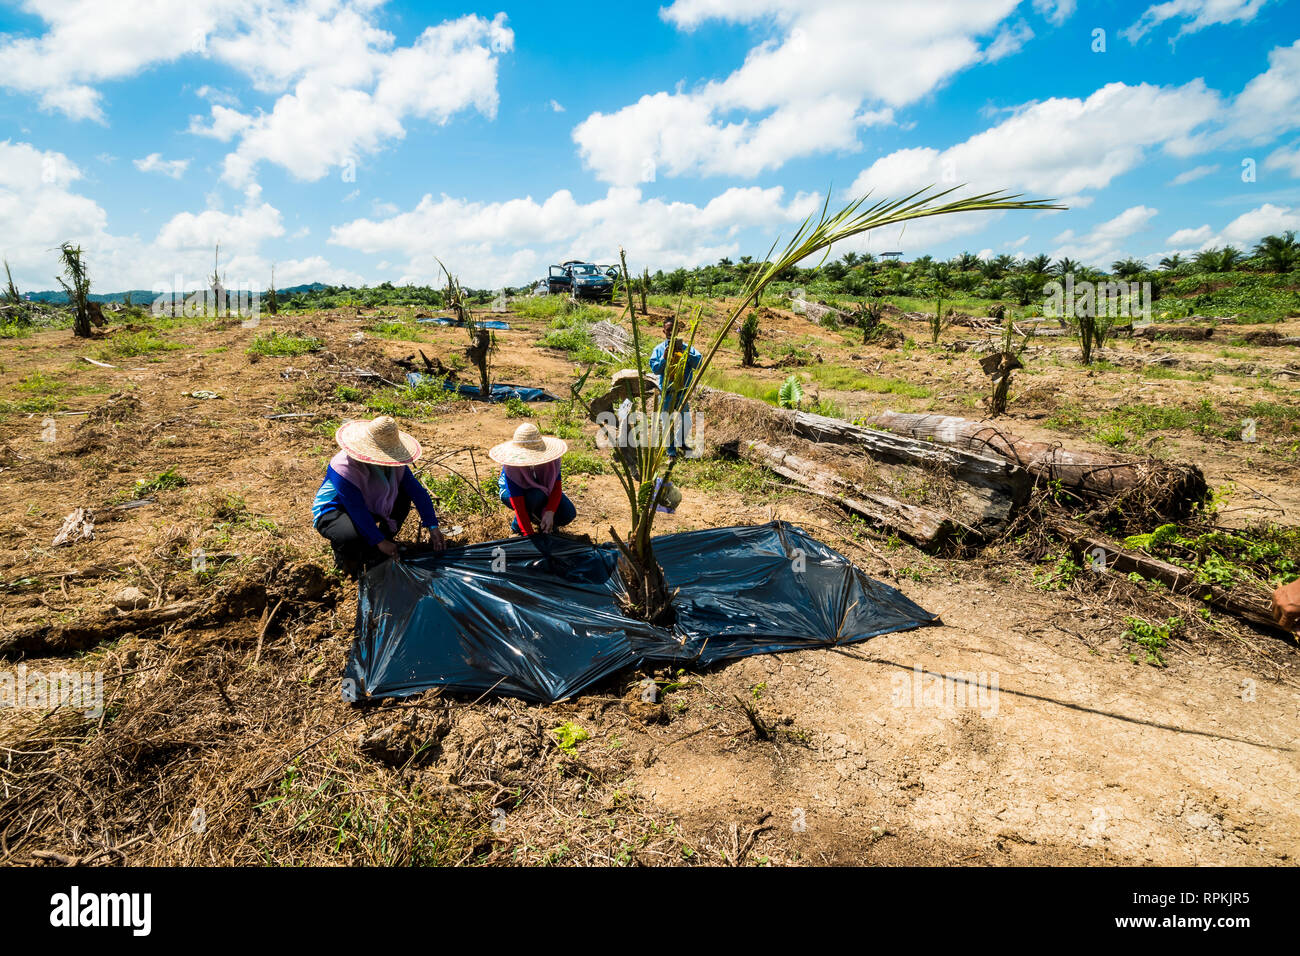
(924, 527)
(992, 488)
(1137, 487)
(1186, 333)
(1102, 555)
(1268, 337)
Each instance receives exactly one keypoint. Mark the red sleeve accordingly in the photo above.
(521, 515)
(553, 502)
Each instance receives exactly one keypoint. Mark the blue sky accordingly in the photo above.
(358, 141)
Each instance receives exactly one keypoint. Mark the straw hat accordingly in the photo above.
(528, 447)
(379, 442)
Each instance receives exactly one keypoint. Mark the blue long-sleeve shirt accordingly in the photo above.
(338, 494)
(673, 391)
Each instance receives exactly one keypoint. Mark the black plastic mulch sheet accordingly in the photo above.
(539, 618)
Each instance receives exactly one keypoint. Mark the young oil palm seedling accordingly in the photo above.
(481, 341)
(11, 291)
(1000, 365)
(76, 283)
(658, 440)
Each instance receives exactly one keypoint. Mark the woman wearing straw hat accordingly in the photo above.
(368, 492)
(530, 480)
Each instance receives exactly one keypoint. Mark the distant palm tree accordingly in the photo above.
(1037, 264)
(966, 261)
(850, 259)
(1171, 262)
(1065, 265)
(1127, 268)
(1022, 287)
(1279, 253)
(1230, 258)
(1218, 260)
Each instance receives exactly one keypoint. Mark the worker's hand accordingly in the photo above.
(388, 547)
(436, 540)
(547, 524)
(1286, 605)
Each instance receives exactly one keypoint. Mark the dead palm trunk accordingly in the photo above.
(648, 597)
(481, 341)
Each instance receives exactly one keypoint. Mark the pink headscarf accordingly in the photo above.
(379, 494)
(541, 477)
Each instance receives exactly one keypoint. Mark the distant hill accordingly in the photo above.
(138, 296)
(144, 296)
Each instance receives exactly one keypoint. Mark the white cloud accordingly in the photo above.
(1285, 157)
(1056, 11)
(1242, 232)
(1008, 41)
(224, 124)
(1266, 220)
(1106, 241)
(555, 106)
(40, 208)
(1055, 148)
(513, 241)
(326, 59)
(1270, 103)
(1191, 237)
(1190, 175)
(1196, 14)
(87, 42)
(215, 95)
(154, 163)
(255, 221)
(451, 67)
(834, 68)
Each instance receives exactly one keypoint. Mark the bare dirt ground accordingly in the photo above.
(224, 740)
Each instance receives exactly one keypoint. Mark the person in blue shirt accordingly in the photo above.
(367, 493)
(529, 482)
(676, 364)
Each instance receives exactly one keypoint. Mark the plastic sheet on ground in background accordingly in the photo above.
(501, 391)
(495, 324)
(539, 618)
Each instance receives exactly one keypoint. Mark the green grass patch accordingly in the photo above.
(455, 495)
(276, 343)
(166, 481)
(568, 735)
(1264, 556)
(1152, 638)
(134, 344)
(712, 474)
(397, 331)
(848, 380)
(417, 402)
(741, 384)
(583, 463)
(516, 407)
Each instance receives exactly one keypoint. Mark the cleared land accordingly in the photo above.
(223, 738)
